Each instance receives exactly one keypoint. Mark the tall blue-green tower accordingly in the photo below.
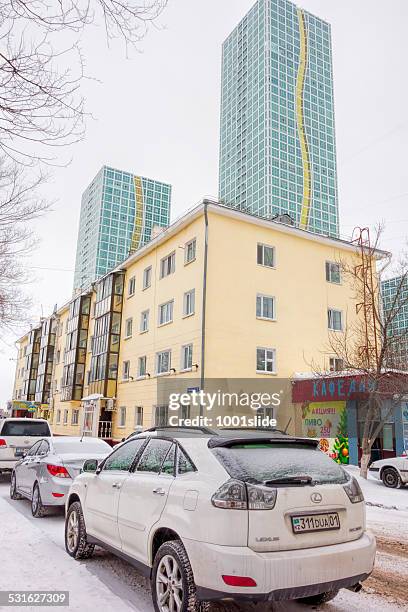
(277, 133)
(118, 213)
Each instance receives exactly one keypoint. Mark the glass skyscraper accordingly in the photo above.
(394, 292)
(118, 213)
(277, 135)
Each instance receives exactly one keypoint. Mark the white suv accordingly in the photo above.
(17, 435)
(224, 517)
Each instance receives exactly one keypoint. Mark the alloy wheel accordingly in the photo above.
(72, 531)
(169, 585)
(390, 478)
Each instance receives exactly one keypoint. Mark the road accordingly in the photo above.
(44, 563)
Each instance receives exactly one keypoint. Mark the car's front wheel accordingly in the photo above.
(318, 600)
(173, 586)
(13, 488)
(76, 539)
(391, 478)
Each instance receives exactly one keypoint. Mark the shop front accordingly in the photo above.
(333, 409)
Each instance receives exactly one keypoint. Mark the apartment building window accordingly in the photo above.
(58, 421)
(187, 357)
(166, 312)
(266, 255)
(144, 321)
(190, 251)
(189, 303)
(335, 319)
(141, 366)
(129, 327)
(131, 286)
(265, 307)
(266, 360)
(163, 362)
(147, 277)
(336, 364)
(75, 417)
(333, 272)
(122, 416)
(168, 265)
(138, 416)
(125, 370)
(185, 412)
(161, 416)
(65, 417)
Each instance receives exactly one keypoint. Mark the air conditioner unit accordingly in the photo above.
(110, 405)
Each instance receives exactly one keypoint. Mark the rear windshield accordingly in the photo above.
(258, 463)
(25, 428)
(76, 447)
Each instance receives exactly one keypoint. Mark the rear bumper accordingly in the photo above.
(60, 486)
(280, 575)
(8, 464)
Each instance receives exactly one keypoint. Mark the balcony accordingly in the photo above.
(105, 429)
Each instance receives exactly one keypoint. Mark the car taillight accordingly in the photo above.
(57, 494)
(3, 442)
(354, 493)
(58, 470)
(239, 581)
(237, 495)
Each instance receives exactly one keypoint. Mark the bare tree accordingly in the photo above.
(41, 108)
(41, 105)
(19, 205)
(374, 345)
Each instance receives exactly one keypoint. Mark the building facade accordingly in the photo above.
(119, 212)
(394, 293)
(194, 310)
(277, 133)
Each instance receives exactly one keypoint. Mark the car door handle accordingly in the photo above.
(159, 491)
(116, 485)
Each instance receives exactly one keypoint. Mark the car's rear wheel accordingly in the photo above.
(391, 478)
(76, 539)
(173, 586)
(318, 600)
(38, 510)
(13, 488)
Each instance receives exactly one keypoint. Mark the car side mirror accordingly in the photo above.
(90, 465)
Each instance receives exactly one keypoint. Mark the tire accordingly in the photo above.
(76, 539)
(13, 488)
(318, 600)
(391, 478)
(171, 563)
(38, 510)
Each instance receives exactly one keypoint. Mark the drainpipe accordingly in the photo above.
(203, 313)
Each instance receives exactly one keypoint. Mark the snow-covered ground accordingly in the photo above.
(33, 557)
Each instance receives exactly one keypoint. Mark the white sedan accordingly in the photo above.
(393, 472)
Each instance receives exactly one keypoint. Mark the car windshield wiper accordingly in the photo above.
(290, 480)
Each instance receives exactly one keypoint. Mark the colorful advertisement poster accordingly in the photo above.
(327, 421)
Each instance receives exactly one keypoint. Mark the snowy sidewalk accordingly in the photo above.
(31, 561)
(378, 495)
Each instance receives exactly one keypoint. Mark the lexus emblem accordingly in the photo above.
(316, 498)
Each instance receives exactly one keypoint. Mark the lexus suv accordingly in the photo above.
(224, 517)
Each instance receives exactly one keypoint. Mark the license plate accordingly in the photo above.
(315, 522)
(20, 450)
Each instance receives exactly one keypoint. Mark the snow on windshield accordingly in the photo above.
(252, 463)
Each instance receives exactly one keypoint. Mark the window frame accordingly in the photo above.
(171, 257)
(328, 267)
(335, 359)
(157, 362)
(329, 315)
(170, 305)
(125, 370)
(193, 241)
(139, 361)
(148, 269)
(122, 411)
(269, 297)
(137, 414)
(147, 313)
(266, 349)
(131, 286)
(191, 293)
(182, 363)
(127, 334)
(262, 263)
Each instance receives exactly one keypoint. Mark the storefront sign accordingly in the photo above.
(336, 388)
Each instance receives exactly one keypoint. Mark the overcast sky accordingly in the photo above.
(157, 114)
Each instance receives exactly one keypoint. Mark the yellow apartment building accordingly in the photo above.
(219, 295)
